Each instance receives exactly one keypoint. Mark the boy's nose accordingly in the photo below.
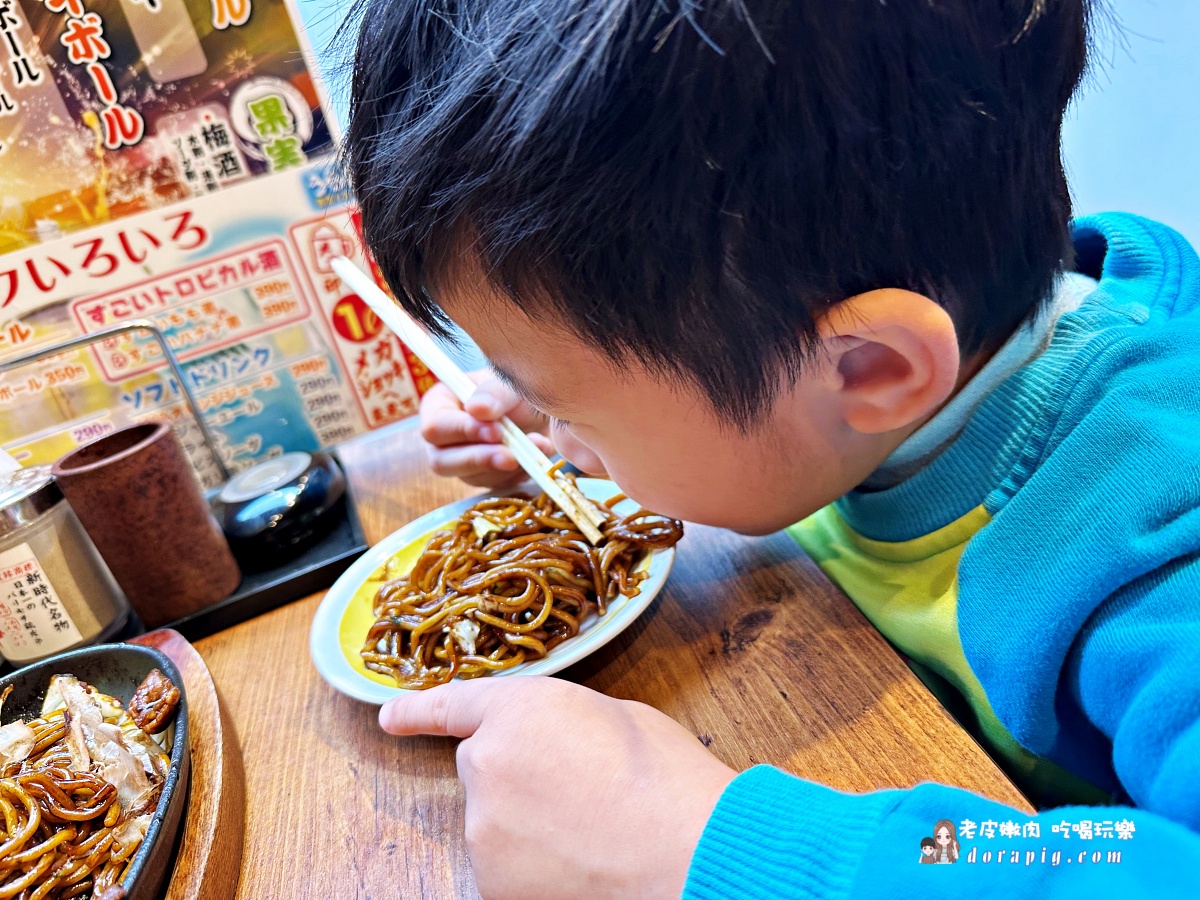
(577, 453)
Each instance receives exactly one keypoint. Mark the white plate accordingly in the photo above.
(330, 657)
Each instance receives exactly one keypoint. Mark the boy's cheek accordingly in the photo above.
(677, 482)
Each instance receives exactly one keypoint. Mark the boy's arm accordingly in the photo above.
(571, 793)
(1132, 673)
(574, 794)
(776, 836)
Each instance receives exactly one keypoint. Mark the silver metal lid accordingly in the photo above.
(25, 495)
(265, 477)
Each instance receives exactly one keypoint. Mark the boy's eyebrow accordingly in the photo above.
(537, 398)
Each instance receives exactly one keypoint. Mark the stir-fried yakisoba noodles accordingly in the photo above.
(78, 788)
(507, 581)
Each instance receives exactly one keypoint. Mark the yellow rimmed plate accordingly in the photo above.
(344, 616)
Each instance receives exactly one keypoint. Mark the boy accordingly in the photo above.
(927, 851)
(774, 262)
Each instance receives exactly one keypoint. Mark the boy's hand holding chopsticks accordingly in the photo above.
(531, 457)
(464, 441)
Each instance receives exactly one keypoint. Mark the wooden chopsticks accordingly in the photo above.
(560, 489)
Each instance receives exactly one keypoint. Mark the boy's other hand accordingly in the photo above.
(569, 793)
(464, 441)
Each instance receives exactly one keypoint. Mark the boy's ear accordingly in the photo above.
(894, 358)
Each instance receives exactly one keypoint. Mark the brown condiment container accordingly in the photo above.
(138, 500)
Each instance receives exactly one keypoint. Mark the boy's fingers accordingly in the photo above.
(494, 399)
(439, 398)
(491, 400)
(446, 427)
(470, 459)
(543, 442)
(443, 420)
(456, 709)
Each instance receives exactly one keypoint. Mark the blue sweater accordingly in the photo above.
(1046, 568)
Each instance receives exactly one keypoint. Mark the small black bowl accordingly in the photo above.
(273, 511)
(117, 670)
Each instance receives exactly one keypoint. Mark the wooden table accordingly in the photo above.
(749, 646)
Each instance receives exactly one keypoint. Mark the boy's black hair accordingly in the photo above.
(692, 182)
(928, 842)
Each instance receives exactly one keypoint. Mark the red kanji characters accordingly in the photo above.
(384, 351)
(100, 263)
(11, 275)
(84, 39)
(184, 285)
(95, 312)
(86, 45)
(123, 127)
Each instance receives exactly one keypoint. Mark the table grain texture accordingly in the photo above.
(749, 646)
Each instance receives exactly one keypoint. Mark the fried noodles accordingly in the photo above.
(509, 580)
(78, 788)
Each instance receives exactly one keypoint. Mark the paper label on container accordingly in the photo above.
(33, 621)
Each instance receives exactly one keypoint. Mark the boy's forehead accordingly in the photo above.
(489, 316)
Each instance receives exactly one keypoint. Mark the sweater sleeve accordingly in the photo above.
(776, 836)
(1134, 673)
(1131, 673)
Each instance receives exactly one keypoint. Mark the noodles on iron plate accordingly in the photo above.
(78, 788)
(509, 580)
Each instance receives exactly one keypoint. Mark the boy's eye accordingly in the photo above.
(561, 423)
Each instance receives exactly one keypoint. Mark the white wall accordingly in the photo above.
(1133, 135)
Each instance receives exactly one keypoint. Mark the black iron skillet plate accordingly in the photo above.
(117, 670)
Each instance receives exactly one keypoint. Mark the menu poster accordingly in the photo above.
(170, 160)
(279, 354)
(109, 108)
